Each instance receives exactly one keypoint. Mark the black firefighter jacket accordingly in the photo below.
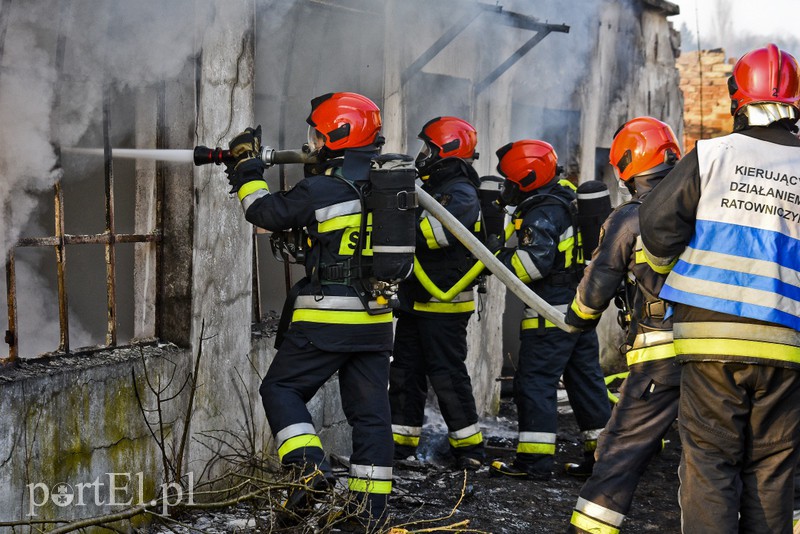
(327, 312)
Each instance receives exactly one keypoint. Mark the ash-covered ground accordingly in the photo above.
(500, 505)
(430, 495)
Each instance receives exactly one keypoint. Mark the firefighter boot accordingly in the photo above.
(404, 452)
(517, 470)
(311, 485)
(582, 469)
(469, 463)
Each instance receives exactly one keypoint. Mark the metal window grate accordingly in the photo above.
(109, 238)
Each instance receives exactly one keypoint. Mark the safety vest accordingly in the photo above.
(744, 257)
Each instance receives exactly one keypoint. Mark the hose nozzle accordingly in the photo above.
(204, 155)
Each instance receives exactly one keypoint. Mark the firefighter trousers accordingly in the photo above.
(300, 369)
(740, 433)
(647, 407)
(433, 348)
(545, 355)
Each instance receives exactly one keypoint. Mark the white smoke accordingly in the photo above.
(114, 45)
(27, 82)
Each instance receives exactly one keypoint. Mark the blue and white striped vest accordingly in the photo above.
(744, 257)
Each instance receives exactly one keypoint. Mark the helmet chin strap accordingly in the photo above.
(765, 113)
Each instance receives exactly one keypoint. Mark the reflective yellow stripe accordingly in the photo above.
(754, 332)
(519, 269)
(590, 445)
(738, 347)
(475, 439)
(649, 354)
(563, 182)
(382, 487)
(659, 265)
(427, 233)
(510, 229)
(298, 442)
(567, 246)
(537, 448)
(610, 378)
(411, 441)
(338, 223)
(450, 294)
(445, 307)
(251, 187)
(641, 257)
(340, 317)
(529, 324)
(589, 524)
(577, 309)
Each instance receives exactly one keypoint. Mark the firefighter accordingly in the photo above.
(643, 151)
(548, 258)
(431, 333)
(331, 330)
(724, 224)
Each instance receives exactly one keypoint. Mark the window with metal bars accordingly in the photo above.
(146, 184)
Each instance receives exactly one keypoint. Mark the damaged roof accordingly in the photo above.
(667, 7)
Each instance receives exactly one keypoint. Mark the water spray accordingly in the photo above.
(181, 156)
(201, 155)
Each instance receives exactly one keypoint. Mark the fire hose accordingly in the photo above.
(205, 155)
(483, 254)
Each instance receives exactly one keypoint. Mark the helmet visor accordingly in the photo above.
(423, 154)
(616, 172)
(315, 139)
(510, 194)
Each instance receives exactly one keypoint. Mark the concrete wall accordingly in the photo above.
(631, 73)
(75, 420)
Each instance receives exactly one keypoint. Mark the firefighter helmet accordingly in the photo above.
(528, 163)
(343, 120)
(446, 137)
(765, 75)
(643, 145)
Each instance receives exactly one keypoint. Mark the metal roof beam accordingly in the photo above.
(439, 45)
(498, 15)
(508, 63)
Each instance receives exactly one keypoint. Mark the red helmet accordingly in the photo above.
(643, 144)
(343, 120)
(528, 163)
(446, 137)
(765, 75)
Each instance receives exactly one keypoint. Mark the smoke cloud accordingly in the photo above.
(47, 102)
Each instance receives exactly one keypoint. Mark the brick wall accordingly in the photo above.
(706, 103)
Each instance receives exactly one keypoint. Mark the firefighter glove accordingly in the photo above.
(494, 243)
(246, 145)
(573, 319)
(247, 164)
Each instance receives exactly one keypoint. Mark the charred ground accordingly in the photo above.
(500, 505)
(431, 495)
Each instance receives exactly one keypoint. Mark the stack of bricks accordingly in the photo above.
(706, 103)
